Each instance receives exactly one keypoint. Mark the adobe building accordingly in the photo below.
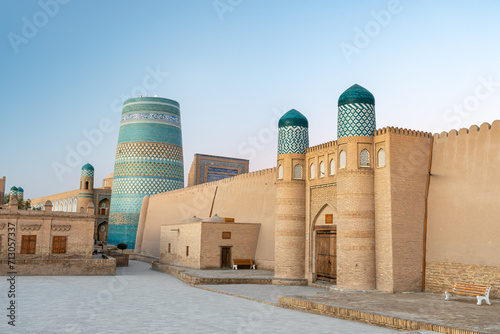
(50, 243)
(388, 209)
(77, 201)
(209, 168)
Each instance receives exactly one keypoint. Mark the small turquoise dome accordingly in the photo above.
(88, 167)
(87, 170)
(19, 189)
(356, 94)
(293, 118)
(13, 189)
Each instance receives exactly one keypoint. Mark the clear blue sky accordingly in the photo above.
(233, 65)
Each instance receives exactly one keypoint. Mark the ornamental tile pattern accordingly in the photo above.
(87, 172)
(293, 139)
(148, 161)
(356, 119)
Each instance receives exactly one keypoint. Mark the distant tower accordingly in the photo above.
(13, 193)
(290, 222)
(148, 161)
(86, 194)
(20, 194)
(355, 190)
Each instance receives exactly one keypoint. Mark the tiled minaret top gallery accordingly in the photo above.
(148, 161)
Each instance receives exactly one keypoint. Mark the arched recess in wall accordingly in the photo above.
(104, 207)
(280, 172)
(319, 220)
(364, 158)
(312, 171)
(332, 167)
(297, 172)
(328, 206)
(321, 169)
(86, 184)
(343, 159)
(381, 158)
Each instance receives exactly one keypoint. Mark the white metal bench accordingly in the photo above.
(243, 262)
(480, 291)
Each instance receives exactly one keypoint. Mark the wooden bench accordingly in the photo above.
(481, 292)
(243, 262)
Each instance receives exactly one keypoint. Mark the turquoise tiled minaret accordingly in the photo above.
(356, 113)
(20, 194)
(293, 136)
(148, 161)
(13, 191)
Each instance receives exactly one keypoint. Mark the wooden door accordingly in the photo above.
(225, 257)
(326, 255)
(28, 244)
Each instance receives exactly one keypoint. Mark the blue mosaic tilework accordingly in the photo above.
(13, 191)
(216, 177)
(123, 233)
(148, 161)
(145, 186)
(148, 150)
(222, 170)
(293, 139)
(357, 119)
(150, 132)
(229, 165)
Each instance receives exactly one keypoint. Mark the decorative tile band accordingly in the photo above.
(293, 139)
(356, 119)
(87, 172)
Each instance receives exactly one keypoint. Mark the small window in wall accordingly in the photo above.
(343, 159)
(28, 244)
(297, 172)
(226, 235)
(187, 250)
(332, 167)
(169, 247)
(364, 158)
(321, 169)
(86, 184)
(58, 245)
(280, 172)
(313, 171)
(381, 157)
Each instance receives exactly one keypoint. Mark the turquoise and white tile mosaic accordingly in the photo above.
(293, 139)
(356, 119)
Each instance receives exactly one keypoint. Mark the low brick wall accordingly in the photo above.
(440, 276)
(143, 258)
(121, 259)
(60, 267)
(193, 280)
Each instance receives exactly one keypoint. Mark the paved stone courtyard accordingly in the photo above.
(139, 300)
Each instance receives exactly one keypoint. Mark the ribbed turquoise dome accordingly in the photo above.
(88, 167)
(293, 118)
(356, 94)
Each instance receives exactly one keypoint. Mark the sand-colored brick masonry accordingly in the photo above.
(249, 198)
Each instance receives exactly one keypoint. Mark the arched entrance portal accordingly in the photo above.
(325, 244)
(102, 232)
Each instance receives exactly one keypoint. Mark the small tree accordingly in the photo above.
(121, 246)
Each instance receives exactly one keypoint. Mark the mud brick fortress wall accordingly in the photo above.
(464, 208)
(248, 198)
